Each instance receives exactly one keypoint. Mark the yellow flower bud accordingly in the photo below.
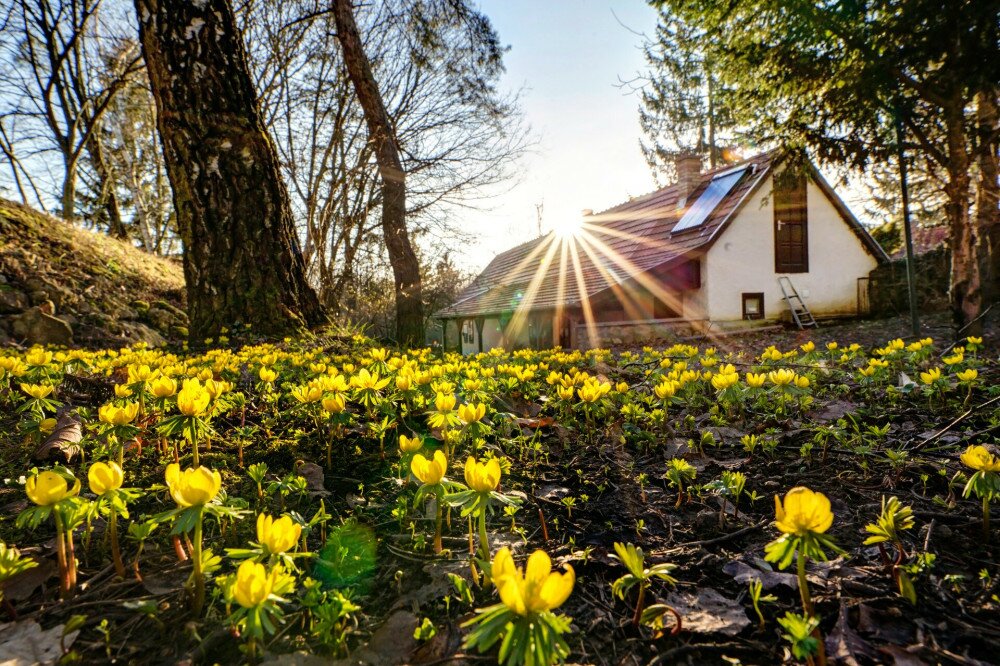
(163, 387)
(118, 416)
(253, 584)
(279, 535)
(193, 486)
(482, 477)
(48, 488)
(410, 444)
(471, 413)
(104, 477)
(429, 471)
(193, 399)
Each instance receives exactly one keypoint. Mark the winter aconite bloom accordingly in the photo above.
(163, 387)
(537, 590)
(803, 512)
(278, 535)
(267, 375)
(429, 471)
(471, 413)
(782, 377)
(37, 391)
(253, 584)
(48, 488)
(756, 380)
(335, 404)
(930, 376)
(193, 399)
(307, 394)
(980, 459)
(482, 477)
(193, 486)
(104, 477)
(967, 375)
(410, 444)
(118, 416)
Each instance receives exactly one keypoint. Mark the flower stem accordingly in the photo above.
(61, 557)
(484, 541)
(640, 602)
(437, 525)
(807, 605)
(116, 552)
(197, 575)
(986, 517)
(193, 436)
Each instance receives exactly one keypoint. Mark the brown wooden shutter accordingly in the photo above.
(791, 232)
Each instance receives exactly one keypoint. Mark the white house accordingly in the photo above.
(704, 254)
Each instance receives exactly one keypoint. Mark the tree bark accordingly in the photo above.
(107, 196)
(966, 286)
(988, 192)
(242, 260)
(405, 266)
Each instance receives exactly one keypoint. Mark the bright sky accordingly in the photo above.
(569, 56)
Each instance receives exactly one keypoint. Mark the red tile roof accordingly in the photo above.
(617, 243)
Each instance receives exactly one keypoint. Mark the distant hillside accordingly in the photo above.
(60, 284)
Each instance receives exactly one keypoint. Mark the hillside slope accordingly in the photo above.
(63, 285)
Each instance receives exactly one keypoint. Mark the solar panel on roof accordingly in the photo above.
(713, 195)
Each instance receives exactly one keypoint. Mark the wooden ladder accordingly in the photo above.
(800, 312)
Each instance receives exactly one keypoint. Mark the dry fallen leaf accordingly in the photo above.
(845, 645)
(25, 643)
(708, 612)
(64, 442)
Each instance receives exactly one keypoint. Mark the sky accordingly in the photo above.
(568, 57)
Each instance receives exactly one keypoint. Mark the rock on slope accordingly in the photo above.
(61, 284)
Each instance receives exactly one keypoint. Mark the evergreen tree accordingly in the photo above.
(685, 108)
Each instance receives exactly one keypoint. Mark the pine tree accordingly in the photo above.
(685, 110)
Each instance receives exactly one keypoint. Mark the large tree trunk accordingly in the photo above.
(69, 188)
(405, 266)
(242, 260)
(966, 286)
(988, 193)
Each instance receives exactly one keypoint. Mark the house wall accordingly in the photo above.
(742, 260)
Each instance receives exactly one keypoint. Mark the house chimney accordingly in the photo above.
(688, 167)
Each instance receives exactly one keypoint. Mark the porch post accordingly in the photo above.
(480, 321)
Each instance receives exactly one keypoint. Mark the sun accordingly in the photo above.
(569, 226)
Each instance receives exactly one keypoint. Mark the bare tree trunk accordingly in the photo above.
(108, 196)
(242, 260)
(966, 286)
(69, 187)
(405, 266)
(988, 192)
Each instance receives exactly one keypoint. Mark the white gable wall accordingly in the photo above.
(742, 260)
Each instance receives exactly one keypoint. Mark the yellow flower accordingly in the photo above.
(307, 394)
(216, 388)
(868, 371)
(122, 391)
(756, 380)
(967, 375)
(808, 347)
(482, 477)
(118, 416)
(723, 381)
(37, 357)
(444, 402)
(37, 391)
(804, 511)
(954, 359)
(802, 382)
(537, 590)
(253, 584)
(403, 382)
(279, 535)
(163, 387)
(782, 377)
(193, 399)
(410, 444)
(831, 345)
(47, 426)
(335, 404)
(930, 376)
(267, 375)
(193, 486)
(104, 477)
(471, 413)
(565, 392)
(47, 488)
(973, 340)
(979, 458)
(366, 381)
(429, 471)
(140, 374)
(593, 390)
(666, 389)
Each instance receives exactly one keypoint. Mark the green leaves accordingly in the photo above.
(532, 640)
(895, 518)
(799, 630)
(634, 560)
